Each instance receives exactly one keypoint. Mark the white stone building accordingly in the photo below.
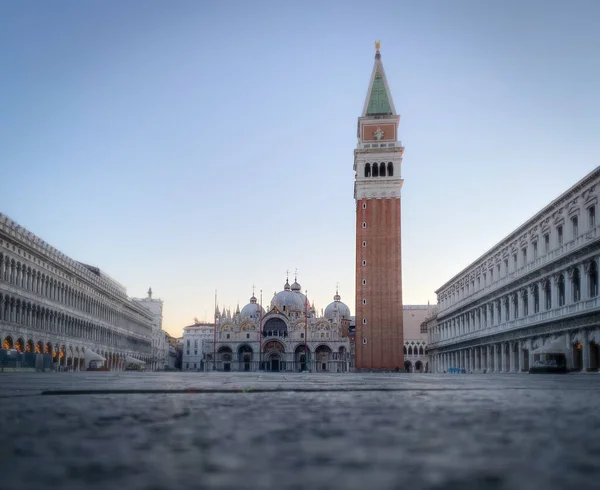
(416, 359)
(195, 338)
(73, 313)
(288, 337)
(535, 291)
(160, 349)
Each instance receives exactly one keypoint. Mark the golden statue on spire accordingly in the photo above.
(377, 45)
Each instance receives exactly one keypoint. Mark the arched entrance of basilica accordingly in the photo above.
(225, 356)
(275, 363)
(245, 358)
(274, 356)
(323, 356)
(302, 358)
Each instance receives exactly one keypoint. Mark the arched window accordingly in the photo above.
(410, 350)
(525, 303)
(382, 169)
(375, 170)
(515, 301)
(561, 290)
(421, 350)
(536, 299)
(404, 350)
(576, 283)
(390, 169)
(368, 170)
(593, 279)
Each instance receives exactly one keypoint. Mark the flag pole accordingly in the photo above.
(306, 330)
(215, 336)
(260, 335)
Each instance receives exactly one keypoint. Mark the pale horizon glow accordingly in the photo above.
(201, 146)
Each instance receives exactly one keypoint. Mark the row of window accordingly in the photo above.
(502, 269)
(57, 271)
(14, 272)
(379, 169)
(418, 351)
(512, 309)
(14, 310)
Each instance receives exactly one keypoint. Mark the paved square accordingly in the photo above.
(254, 431)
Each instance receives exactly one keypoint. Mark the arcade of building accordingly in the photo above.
(52, 304)
(533, 295)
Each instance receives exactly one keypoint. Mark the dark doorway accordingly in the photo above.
(303, 363)
(227, 367)
(275, 365)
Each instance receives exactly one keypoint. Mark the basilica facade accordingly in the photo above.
(287, 336)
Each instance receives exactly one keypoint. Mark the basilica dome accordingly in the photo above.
(290, 299)
(337, 307)
(252, 309)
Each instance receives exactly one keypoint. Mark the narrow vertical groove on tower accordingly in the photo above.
(379, 328)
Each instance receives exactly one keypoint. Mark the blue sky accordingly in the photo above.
(194, 146)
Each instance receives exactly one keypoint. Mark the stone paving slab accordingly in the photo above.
(432, 432)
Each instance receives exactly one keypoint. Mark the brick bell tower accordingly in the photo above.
(377, 185)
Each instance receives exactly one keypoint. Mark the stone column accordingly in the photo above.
(585, 353)
(519, 356)
(584, 284)
(511, 367)
(569, 347)
(569, 286)
(554, 290)
(487, 359)
(530, 353)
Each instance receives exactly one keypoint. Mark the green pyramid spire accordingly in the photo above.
(378, 101)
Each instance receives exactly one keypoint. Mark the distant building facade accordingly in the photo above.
(377, 186)
(195, 337)
(416, 358)
(288, 337)
(175, 352)
(160, 350)
(72, 312)
(534, 293)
